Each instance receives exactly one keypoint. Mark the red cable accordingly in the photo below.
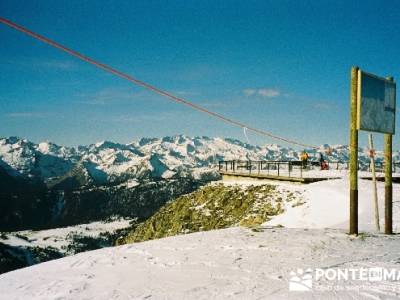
(146, 85)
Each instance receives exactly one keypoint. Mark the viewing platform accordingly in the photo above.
(296, 171)
(293, 171)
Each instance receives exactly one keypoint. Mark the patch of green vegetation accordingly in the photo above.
(81, 243)
(212, 207)
(45, 254)
(10, 261)
(16, 257)
(298, 202)
(23, 237)
(257, 229)
(362, 236)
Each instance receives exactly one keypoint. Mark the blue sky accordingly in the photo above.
(282, 66)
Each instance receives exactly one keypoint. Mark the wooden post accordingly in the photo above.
(353, 226)
(375, 192)
(388, 181)
(301, 170)
(388, 184)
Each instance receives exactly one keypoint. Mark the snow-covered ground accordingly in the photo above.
(235, 263)
(59, 238)
(327, 206)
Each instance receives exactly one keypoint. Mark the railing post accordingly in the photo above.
(278, 169)
(289, 166)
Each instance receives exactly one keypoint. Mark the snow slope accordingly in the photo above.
(327, 206)
(234, 263)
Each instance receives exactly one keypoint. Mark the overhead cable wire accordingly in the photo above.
(245, 134)
(150, 87)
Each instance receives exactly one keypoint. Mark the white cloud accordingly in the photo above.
(54, 64)
(109, 96)
(155, 117)
(218, 104)
(263, 92)
(47, 64)
(269, 93)
(26, 115)
(323, 105)
(186, 93)
(249, 92)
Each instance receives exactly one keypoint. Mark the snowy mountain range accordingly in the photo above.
(46, 185)
(169, 157)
